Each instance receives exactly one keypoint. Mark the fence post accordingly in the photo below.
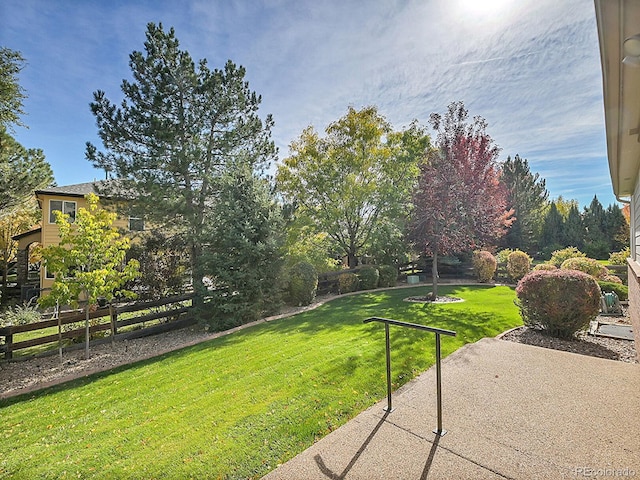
(8, 341)
(113, 316)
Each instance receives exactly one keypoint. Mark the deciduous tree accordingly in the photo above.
(459, 203)
(88, 262)
(355, 178)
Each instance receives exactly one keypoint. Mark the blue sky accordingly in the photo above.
(529, 67)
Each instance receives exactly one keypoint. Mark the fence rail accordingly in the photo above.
(175, 315)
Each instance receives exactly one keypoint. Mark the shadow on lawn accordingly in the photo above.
(345, 314)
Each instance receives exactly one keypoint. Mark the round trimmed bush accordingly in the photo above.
(560, 302)
(518, 265)
(611, 279)
(348, 282)
(303, 283)
(620, 258)
(503, 255)
(484, 265)
(544, 266)
(618, 288)
(559, 256)
(586, 265)
(368, 277)
(388, 276)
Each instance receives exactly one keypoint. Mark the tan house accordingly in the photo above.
(619, 35)
(68, 200)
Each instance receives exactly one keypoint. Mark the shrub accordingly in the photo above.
(610, 278)
(561, 302)
(388, 276)
(620, 258)
(368, 277)
(559, 256)
(303, 283)
(518, 265)
(544, 266)
(618, 288)
(597, 249)
(347, 282)
(484, 265)
(587, 265)
(20, 315)
(503, 255)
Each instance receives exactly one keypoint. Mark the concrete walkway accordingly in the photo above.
(511, 410)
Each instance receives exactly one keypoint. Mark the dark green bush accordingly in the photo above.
(621, 290)
(347, 282)
(368, 277)
(388, 276)
(561, 302)
(303, 283)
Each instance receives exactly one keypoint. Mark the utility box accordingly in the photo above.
(412, 279)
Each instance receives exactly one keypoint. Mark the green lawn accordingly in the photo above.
(237, 406)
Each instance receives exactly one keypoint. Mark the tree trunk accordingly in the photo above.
(352, 260)
(434, 276)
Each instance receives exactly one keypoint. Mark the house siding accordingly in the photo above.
(635, 224)
(51, 233)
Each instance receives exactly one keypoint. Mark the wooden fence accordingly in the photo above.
(176, 317)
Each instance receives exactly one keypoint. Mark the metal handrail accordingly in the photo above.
(438, 331)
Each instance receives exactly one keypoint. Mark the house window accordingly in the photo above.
(48, 275)
(68, 208)
(136, 224)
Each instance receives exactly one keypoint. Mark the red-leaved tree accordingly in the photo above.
(459, 202)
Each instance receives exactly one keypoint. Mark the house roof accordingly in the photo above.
(77, 190)
(618, 20)
(33, 231)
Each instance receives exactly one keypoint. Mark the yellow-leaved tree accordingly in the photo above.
(89, 261)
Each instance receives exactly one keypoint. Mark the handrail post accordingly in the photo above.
(389, 408)
(438, 332)
(439, 430)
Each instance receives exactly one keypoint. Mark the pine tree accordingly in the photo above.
(527, 196)
(616, 228)
(243, 258)
(176, 135)
(596, 243)
(551, 237)
(573, 232)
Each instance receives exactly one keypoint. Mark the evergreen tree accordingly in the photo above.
(616, 228)
(573, 233)
(22, 171)
(596, 243)
(527, 196)
(175, 138)
(243, 258)
(551, 238)
(11, 93)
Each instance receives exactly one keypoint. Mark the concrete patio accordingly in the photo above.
(511, 411)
